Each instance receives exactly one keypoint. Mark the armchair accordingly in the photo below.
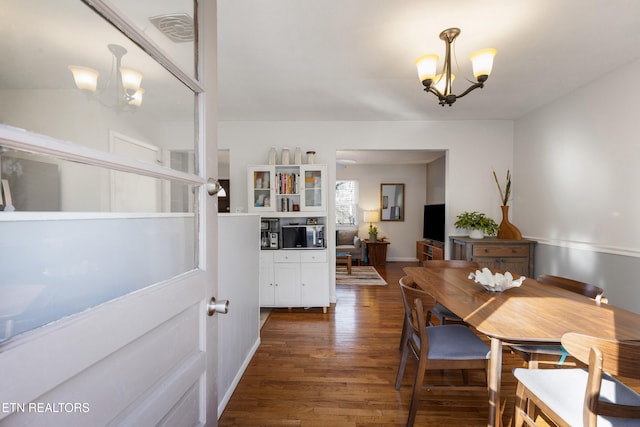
(347, 241)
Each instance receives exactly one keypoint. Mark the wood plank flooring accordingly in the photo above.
(338, 369)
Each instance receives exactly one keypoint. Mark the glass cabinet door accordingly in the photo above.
(261, 188)
(315, 192)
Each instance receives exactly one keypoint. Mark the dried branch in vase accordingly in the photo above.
(504, 196)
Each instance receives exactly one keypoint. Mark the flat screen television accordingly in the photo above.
(433, 226)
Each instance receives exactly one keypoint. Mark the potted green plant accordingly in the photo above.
(477, 223)
(373, 232)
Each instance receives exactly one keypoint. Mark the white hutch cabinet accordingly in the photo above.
(293, 193)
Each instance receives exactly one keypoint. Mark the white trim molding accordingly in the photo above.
(587, 246)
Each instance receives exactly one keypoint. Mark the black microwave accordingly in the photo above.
(303, 236)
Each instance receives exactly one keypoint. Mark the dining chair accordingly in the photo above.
(532, 353)
(583, 397)
(442, 347)
(405, 281)
(442, 313)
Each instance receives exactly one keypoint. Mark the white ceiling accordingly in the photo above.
(333, 60)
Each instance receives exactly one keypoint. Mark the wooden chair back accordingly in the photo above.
(614, 357)
(582, 288)
(416, 304)
(450, 263)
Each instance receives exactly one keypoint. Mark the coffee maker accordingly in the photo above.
(270, 233)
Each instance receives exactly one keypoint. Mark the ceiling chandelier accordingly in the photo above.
(122, 90)
(441, 84)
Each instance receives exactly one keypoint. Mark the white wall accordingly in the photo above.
(401, 234)
(575, 185)
(436, 182)
(474, 149)
(238, 330)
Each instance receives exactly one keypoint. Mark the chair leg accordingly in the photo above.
(524, 408)
(518, 420)
(403, 365)
(403, 337)
(417, 389)
(532, 363)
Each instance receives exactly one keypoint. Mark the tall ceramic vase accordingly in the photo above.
(506, 229)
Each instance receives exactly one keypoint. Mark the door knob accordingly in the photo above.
(214, 306)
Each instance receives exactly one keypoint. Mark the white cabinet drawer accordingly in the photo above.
(286, 256)
(313, 256)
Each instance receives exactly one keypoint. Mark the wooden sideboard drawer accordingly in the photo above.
(501, 250)
(515, 256)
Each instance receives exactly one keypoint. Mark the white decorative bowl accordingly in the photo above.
(495, 282)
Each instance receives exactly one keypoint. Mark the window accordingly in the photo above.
(347, 202)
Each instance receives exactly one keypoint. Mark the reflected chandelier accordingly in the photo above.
(122, 90)
(441, 84)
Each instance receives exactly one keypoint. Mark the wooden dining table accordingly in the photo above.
(534, 313)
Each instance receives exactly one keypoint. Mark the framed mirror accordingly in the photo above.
(392, 202)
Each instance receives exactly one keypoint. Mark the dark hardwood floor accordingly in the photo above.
(338, 369)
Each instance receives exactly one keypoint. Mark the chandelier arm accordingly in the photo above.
(436, 92)
(470, 88)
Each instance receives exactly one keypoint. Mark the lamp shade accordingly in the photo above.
(371, 216)
(426, 65)
(85, 78)
(131, 79)
(482, 61)
(441, 82)
(136, 98)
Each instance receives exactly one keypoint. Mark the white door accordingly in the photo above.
(103, 315)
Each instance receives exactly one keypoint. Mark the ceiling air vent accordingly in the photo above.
(178, 27)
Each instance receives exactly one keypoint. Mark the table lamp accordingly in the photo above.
(371, 217)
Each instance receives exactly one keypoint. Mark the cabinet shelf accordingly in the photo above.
(287, 188)
(429, 250)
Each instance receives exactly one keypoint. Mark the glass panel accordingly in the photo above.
(169, 23)
(262, 188)
(39, 92)
(38, 183)
(54, 265)
(52, 269)
(313, 188)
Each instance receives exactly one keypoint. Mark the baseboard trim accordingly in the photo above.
(227, 396)
(402, 259)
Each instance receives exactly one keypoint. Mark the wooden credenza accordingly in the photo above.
(515, 256)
